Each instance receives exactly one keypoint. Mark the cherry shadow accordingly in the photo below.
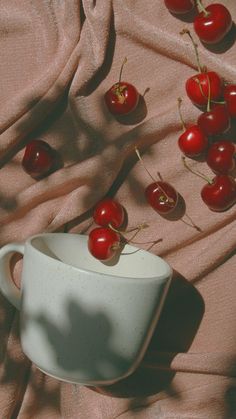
(230, 134)
(230, 400)
(187, 17)
(180, 213)
(135, 117)
(178, 324)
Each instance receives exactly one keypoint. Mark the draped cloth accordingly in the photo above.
(57, 60)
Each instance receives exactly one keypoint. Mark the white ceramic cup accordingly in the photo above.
(84, 321)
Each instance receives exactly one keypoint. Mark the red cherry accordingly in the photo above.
(212, 23)
(122, 98)
(38, 158)
(205, 85)
(193, 141)
(197, 87)
(220, 157)
(108, 211)
(161, 196)
(215, 121)
(179, 6)
(103, 243)
(230, 99)
(220, 193)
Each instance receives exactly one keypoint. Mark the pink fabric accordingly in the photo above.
(57, 60)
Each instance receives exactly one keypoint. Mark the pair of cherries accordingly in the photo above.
(105, 240)
(211, 24)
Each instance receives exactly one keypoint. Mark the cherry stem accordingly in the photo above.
(190, 223)
(209, 94)
(200, 86)
(160, 177)
(135, 229)
(141, 160)
(195, 46)
(116, 246)
(121, 69)
(146, 91)
(196, 172)
(201, 8)
(169, 199)
(138, 229)
(152, 243)
(180, 113)
(220, 102)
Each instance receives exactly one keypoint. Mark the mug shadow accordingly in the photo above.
(178, 324)
(82, 346)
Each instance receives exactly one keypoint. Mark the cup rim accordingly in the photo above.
(167, 275)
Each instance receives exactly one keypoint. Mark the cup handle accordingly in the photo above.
(7, 286)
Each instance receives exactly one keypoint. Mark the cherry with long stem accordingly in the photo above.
(122, 97)
(219, 194)
(197, 86)
(167, 199)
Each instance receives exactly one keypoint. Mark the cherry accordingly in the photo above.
(122, 98)
(161, 196)
(38, 158)
(179, 6)
(212, 23)
(214, 121)
(193, 141)
(109, 212)
(103, 243)
(219, 193)
(199, 85)
(220, 157)
(230, 99)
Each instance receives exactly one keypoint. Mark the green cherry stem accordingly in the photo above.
(180, 114)
(195, 46)
(121, 69)
(167, 198)
(136, 230)
(201, 8)
(196, 172)
(209, 94)
(220, 102)
(191, 223)
(141, 161)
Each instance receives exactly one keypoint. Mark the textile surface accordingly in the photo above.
(57, 60)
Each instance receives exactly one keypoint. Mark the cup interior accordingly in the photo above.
(72, 249)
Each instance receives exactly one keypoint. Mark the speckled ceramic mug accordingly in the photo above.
(84, 321)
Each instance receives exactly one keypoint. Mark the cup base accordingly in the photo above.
(89, 383)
